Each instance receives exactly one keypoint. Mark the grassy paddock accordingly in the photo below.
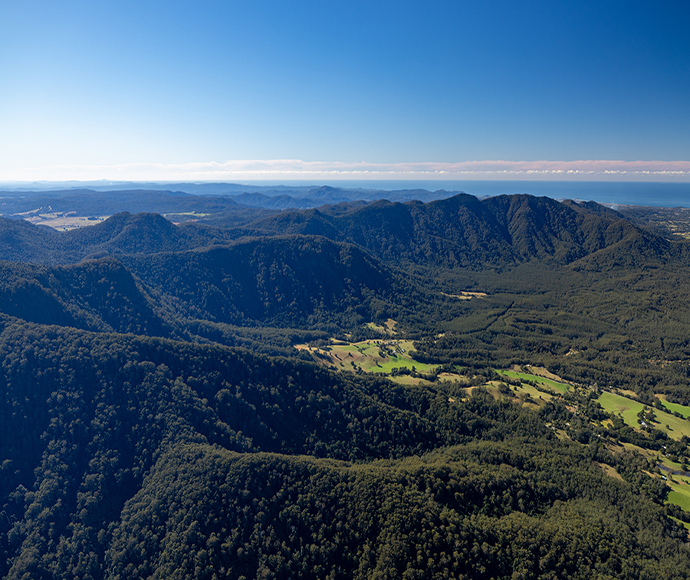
(544, 382)
(627, 408)
(674, 407)
(674, 427)
(665, 461)
(538, 397)
(370, 356)
(679, 495)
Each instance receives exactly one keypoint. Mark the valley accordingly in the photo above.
(367, 389)
(535, 388)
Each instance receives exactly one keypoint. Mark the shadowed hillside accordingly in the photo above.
(94, 295)
(127, 457)
(277, 281)
(303, 282)
(21, 241)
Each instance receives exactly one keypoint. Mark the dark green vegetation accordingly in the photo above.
(156, 420)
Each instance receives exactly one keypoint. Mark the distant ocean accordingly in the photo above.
(605, 192)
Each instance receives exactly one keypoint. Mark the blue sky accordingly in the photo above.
(273, 89)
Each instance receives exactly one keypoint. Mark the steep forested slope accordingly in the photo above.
(84, 417)
(464, 513)
(21, 241)
(125, 457)
(276, 281)
(454, 232)
(95, 295)
(463, 231)
(542, 228)
(302, 282)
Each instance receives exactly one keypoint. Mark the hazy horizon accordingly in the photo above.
(658, 194)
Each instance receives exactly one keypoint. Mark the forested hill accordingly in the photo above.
(298, 281)
(464, 231)
(122, 233)
(99, 295)
(458, 231)
(279, 281)
(127, 457)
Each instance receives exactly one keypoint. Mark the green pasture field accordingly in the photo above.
(546, 383)
(627, 408)
(674, 427)
(539, 397)
(674, 407)
(373, 356)
(679, 495)
(408, 380)
(373, 363)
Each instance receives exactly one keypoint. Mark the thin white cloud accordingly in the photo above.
(287, 169)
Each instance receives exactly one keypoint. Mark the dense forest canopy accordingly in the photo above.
(192, 400)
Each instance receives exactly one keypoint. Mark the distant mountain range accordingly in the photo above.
(181, 198)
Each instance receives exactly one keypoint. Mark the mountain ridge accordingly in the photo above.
(463, 231)
(460, 231)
